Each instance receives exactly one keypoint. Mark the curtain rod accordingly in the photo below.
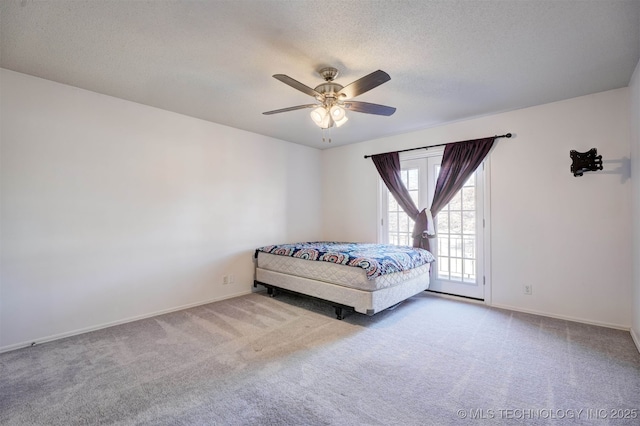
(506, 135)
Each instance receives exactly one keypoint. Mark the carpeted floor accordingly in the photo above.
(255, 360)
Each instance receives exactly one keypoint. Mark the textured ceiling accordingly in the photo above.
(448, 60)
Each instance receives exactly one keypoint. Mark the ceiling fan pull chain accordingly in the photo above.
(324, 135)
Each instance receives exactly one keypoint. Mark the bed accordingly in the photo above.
(366, 278)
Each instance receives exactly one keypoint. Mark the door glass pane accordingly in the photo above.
(393, 204)
(468, 198)
(443, 246)
(442, 225)
(469, 222)
(455, 246)
(412, 179)
(469, 251)
(456, 202)
(455, 222)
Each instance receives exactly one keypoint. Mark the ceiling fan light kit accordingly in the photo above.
(337, 112)
(321, 117)
(334, 98)
(340, 122)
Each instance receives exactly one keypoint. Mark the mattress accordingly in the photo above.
(343, 275)
(376, 259)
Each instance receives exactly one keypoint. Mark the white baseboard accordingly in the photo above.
(563, 317)
(534, 312)
(635, 338)
(113, 323)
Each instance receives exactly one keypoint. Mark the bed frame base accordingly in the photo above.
(273, 291)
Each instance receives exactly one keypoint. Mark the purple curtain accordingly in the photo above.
(459, 161)
(388, 166)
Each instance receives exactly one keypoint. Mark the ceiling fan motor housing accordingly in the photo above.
(328, 92)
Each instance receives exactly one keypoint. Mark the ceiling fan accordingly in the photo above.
(334, 99)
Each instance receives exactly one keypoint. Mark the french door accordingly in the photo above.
(459, 245)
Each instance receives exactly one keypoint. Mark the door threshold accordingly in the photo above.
(456, 297)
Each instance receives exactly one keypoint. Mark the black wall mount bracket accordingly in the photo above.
(588, 161)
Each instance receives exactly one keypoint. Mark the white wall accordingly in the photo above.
(111, 210)
(569, 237)
(634, 114)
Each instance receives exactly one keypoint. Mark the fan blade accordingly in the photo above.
(365, 84)
(296, 85)
(368, 108)
(293, 108)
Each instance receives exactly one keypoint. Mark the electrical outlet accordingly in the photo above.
(528, 289)
(232, 279)
(225, 280)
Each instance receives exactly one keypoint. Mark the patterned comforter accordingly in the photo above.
(375, 259)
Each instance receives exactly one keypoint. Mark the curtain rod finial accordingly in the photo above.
(508, 135)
